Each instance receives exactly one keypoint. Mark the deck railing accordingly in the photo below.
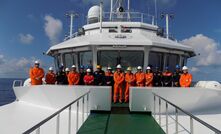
(37, 127)
(177, 110)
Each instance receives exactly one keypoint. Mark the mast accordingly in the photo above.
(72, 15)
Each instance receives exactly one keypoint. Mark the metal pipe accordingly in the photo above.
(160, 111)
(154, 106)
(167, 118)
(87, 104)
(167, 26)
(71, 25)
(111, 10)
(128, 8)
(58, 124)
(176, 114)
(191, 125)
(69, 121)
(77, 116)
(82, 110)
(101, 15)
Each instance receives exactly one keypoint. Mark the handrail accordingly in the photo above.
(37, 126)
(185, 112)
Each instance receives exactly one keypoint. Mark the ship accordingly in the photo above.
(123, 37)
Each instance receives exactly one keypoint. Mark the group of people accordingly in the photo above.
(119, 80)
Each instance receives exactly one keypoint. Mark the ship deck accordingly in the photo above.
(120, 121)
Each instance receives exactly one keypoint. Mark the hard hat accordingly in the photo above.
(37, 62)
(148, 68)
(67, 69)
(98, 67)
(139, 68)
(166, 67)
(177, 66)
(109, 68)
(129, 69)
(119, 66)
(81, 67)
(88, 70)
(50, 69)
(73, 66)
(185, 68)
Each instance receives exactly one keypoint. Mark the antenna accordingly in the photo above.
(156, 13)
(168, 16)
(72, 15)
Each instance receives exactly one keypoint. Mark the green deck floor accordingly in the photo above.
(120, 121)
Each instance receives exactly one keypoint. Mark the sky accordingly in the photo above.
(28, 28)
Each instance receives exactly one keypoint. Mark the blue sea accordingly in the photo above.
(6, 92)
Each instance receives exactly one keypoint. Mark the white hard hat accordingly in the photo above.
(109, 68)
(88, 70)
(185, 68)
(37, 62)
(50, 69)
(139, 67)
(67, 69)
(148, 68)
(73, 66)
(119, 66)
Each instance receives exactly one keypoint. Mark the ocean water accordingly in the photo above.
(6, 92)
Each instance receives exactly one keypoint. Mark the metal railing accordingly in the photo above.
(20, 82)
(37, 127)
(177, 109)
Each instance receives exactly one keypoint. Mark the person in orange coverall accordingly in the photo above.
(148, 77)
(36, 74)
(88, 78)
(185, 78)
(130, 81)
(73, 76)
(140, 77)
(118, 85)
(50, 76)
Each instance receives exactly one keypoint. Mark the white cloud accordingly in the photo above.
(194, 69)
(53, 28)
(26, 38)
(210, 54)
(2, 60)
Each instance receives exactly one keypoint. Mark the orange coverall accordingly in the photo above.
(50, 78)
(36, 75)
(130, 80)
(149, 79)
(185, 80)
(140, 78)
(118, 85)
(73, 78)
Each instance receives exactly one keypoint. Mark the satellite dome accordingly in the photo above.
(94, 14)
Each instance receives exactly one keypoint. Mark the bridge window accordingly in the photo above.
(172, 60)
(69, 59)
(85, 58)
(156, 60)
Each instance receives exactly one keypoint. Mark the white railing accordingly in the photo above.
(177, 110)
(56, 115)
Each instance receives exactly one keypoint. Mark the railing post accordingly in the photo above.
(142, 17)
(154, 106)
(38, 131)
(87, 104)
(191, 125)
(176, 114)
(166, 117)
(58, 124)
(159, 111)
(82, 110)
(69, 121)
(77, 116)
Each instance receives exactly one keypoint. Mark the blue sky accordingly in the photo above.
(29, 27)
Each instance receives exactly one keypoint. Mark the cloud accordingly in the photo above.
(208, 48)
(2, 60)
(53, 28)
(194, 69)
(26, 38)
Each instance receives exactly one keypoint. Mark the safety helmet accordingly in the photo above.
(139, 68)
(118, 66)
(148, 68)
(109, 68)
(98, 67)
(73, 66)
(129, 69)
(50, 69)
(177, 67)
(88, 70)
(37, 62)
(81, 67)
(185, 68)
(67, 69)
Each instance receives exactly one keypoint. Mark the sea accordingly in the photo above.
(6, 92)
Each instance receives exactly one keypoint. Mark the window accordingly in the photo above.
(171, 61)
(183, 61)
(85, 58)
(69, 60)
(156, 60)
(57, 61)
(125, 58)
